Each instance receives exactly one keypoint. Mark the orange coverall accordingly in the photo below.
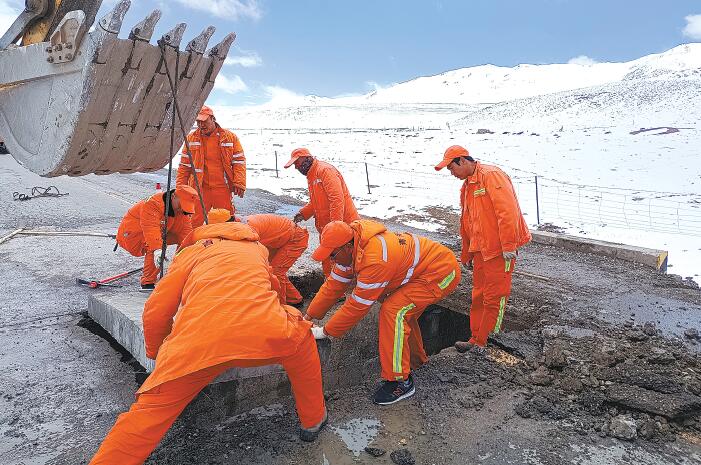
(286, 242)
(140, 232)
(329, 200)
(491, 223)
(219, 166)
(406, 273)
(228, 315)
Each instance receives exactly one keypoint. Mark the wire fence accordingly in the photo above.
(542, 199)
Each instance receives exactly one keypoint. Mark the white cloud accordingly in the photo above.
(9, 10)
(279, 96)
(230, 85)
(693, 27)
(582, 60)
(246, 59)
(227, 9)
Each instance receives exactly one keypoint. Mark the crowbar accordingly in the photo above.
(106, 282)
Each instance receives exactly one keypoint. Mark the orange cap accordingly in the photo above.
(297, 153)
(334, 235)
(187, 196)
(204, 113)
(218, 215)
(452, 152)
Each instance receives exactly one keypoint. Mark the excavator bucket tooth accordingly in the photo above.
(109, 109)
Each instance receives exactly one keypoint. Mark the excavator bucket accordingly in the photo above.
(90, 102)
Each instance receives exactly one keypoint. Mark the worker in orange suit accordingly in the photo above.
(219, 165)
(285, 241)
(215, 309)
(492, 228)
(405, 272)
(329, 198)
(141, 231)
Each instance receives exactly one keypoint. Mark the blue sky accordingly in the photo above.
(333, 48)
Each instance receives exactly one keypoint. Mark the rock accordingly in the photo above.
(660, 356)
(555, 357)
(669, 405)
(542, 404)
(692, 333)
(448, 378)
(649, 328)
(402, 457)
(572, 385)
(541, 377)
(623, 427)
(375, 451)
(637, 336)
(523, 410)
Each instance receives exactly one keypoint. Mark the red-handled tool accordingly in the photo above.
(106, 282)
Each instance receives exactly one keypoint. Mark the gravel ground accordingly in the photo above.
(598, 365)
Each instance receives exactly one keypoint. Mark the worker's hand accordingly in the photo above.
(298, 218)
(508, 256)
(319, 333)
(308, 317)
(239, 190)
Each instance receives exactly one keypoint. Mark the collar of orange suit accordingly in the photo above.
(363, 231)
(312, 169)
(478, 171)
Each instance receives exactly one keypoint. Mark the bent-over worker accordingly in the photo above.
(215, 309)
(405, 272)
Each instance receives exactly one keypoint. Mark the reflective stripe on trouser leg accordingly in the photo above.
(399, 338)
(500, 318)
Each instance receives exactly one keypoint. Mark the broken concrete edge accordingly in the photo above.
(652, 258)
(120, 315)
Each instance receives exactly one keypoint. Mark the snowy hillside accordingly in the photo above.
(615, 145)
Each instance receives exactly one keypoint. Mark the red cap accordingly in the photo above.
(334, 235)
(297, 153)
(204, 113)
(452, 152)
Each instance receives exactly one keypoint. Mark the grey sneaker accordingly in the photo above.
(310, 434)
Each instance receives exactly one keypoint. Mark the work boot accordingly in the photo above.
(394, 391)
(148, 287)
(310, 434)
(465, 346)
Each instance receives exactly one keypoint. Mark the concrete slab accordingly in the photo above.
(653, 258)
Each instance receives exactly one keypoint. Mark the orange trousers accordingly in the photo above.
(214, 197)
(401, 346)
(282, 259)
(491, 286)
(138, 431)
(150, 273)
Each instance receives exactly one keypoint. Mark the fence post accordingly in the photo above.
(537, 203)
(276, 174)
(367, 176)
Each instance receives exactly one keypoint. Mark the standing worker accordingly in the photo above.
(220, 165)
(141, 231)
(405, 272)
(492, 230)
(329, 198)
(285, 241)
(227, 314)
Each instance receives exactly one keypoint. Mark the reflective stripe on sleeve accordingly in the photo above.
(234, 162)
(447, 280)
(417, 255)
(340, 278)
(186, 164)
(194, 143)
(361, 300)
(372, 285)
(343, 268)
(384, 247)
(227, 144)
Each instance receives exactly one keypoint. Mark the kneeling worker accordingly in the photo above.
(285, 241)
(221, 288)
(140, 232)
(405, 272)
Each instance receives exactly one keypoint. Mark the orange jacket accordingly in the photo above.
(329, 198)
(220, 292)
(491, 220)
(140, 230)
(219, 160)
(382, 262)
